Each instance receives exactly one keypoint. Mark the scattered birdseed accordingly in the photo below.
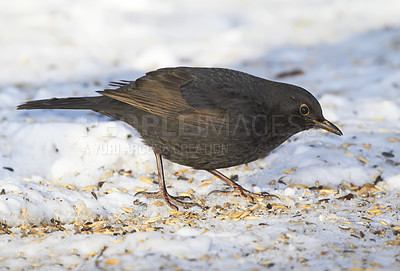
(344, 227)
(232, 211)
(68, 186)
(349, 153)
(367, 146)
(152, 220)
(158, 203)
(91, 254)
(255, 207)
(175, 220)
(185, 194)
(362, 159)
(128, 210)
(302, 260)
(307, 206)
(277, 206)
(190, 180)
(366, 219)
(258, 249)
(325, 190)
(24, 212)
(393, 243)
(384, 223)
(177, 213)
(125, 173)
(112, 261)
(393, 139)
(88, 188)
(107, 174)
(145, 180)
(288, 171)
(205, 256)
(189, 221)
(206, 183)
(191, 191)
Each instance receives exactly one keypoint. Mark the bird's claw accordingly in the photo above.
(243, 193)
(171, 201)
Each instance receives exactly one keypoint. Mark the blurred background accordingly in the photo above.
(70, 40)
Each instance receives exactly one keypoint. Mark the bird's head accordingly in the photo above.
(305, 111)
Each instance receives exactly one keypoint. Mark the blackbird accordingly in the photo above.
(204, 118)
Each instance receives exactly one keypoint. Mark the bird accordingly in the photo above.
(204, 117)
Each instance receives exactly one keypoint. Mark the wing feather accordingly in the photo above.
(160, 93)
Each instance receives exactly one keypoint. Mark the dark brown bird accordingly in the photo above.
(205, 118)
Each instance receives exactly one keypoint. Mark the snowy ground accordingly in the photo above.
(68, 179)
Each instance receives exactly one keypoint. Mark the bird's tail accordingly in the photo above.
(77, 103)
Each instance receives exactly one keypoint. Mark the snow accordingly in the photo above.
(68, 179)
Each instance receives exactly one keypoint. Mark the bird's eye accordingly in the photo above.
(304, 110)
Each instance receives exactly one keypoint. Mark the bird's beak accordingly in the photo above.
(329, 126)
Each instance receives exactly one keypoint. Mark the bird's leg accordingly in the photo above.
(171, 201)
(237, 189)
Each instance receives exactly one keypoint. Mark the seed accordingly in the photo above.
(128, 210)
(112, 261)
(145, 180)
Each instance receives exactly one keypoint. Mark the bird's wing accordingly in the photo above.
(180, 94)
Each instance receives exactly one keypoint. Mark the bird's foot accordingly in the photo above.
(239, 190)
(246, 194)
(171, 201)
